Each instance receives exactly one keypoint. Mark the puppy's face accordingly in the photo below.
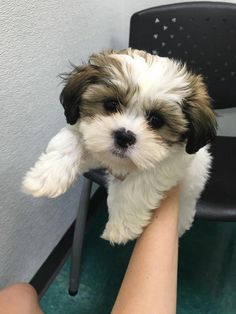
(134, 109)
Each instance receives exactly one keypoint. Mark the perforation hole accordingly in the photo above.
(173, 19)
(186, 52)
(222, 79)
(188, 36)
(165, 27)
(169, 52)
(232, 73)
(179, 44)
(154, 52)
(172, 36)
(155, 36)
(181, 28)
(226, 64)
(157, 20)
(163, 44)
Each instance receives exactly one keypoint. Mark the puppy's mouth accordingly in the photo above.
(121, 153)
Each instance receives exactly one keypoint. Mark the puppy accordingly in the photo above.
(145, 118)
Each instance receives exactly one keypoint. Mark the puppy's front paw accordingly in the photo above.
(57, 168)
(50, 176)
(120, 232)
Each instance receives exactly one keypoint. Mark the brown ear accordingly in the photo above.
(200, 115)
(76, 83)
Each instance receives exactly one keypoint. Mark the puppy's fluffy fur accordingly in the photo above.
(145, 118)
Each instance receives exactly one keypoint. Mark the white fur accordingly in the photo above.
(59, 166)
(158, 80)
(131, 201)
(98, 139)
(150, 167)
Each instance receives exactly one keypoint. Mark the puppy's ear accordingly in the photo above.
(76, 83)
(200, 115)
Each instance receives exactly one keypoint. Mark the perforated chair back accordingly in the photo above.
(202, 34)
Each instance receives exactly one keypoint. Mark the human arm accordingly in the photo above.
(150, 282)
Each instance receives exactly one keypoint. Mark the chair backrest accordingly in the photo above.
(202, 34)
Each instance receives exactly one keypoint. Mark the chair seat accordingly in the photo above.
(225, 211)
(218, 201)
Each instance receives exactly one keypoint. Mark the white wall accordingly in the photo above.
(39, 37)
(37, 40)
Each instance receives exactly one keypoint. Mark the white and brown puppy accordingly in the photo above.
(145, 118)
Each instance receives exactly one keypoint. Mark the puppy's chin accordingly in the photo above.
(146, 153)
(117, 165)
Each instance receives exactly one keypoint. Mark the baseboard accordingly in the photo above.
(50, 268)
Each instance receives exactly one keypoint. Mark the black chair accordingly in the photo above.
(203, 35)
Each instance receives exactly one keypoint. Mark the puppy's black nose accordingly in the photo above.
(124, 138)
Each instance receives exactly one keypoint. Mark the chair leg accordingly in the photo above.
(78, 236)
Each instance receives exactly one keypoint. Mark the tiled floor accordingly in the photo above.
(207, 272)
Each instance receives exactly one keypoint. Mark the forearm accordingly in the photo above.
(149, 285)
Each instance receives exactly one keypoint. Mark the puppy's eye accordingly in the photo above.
(111, 105)
(155, 120)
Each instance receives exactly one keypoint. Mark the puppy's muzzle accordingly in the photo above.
(124, 138)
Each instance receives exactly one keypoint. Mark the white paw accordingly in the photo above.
(57, 168)
(50, 176)
(38, 186)
(120, 232)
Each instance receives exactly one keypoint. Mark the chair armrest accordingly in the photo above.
(98, 176)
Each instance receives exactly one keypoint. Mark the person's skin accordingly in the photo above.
(149, 285)
(20, 298)
(150, 282)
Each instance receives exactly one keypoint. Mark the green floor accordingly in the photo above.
(207, 272)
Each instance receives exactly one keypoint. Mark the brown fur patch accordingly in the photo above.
(175, 123)
(149, 58)
(94, 97)
(117, 84)
(107, 76)
(76, 84)
(201, 117)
